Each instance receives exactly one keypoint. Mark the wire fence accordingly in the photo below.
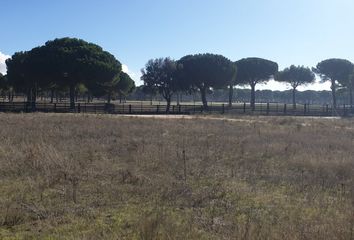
(274, 109)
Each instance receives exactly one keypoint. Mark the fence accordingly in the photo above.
(274, 109)
(53, 107)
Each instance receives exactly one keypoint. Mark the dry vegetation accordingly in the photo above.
(108, 177)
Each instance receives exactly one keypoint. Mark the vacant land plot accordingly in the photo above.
(110, 177)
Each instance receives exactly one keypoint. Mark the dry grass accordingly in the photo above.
(108, 177)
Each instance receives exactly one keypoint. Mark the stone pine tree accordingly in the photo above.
(335, 70)
(296, 76)
(160, 75)
(205, 72)
(63, 63)
(75, 61)
(251, 71)
(24, 74)
(2, 82)
(125, 85)
(4, 86)
(350, 86)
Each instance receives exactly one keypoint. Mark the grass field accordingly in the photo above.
(66, 176)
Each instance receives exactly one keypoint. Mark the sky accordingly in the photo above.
(299, 32)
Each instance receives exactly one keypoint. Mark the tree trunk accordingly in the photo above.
(51, 95)
(351, 96)
(334, 100)
(253, 96)
(350, 89)
(168, 100)
(294, 101)
(29, 96)
(231, 94)
(109, 98)
(72, 97)
(35, 93)
(204, 100)
(33, 98)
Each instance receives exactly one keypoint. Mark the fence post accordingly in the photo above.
(130, 109)
(308, 108)
(55, 107)
(223, 109)
(244, 107)
(327, 109)
(78, 108)
(267, 108)
(157, 109)
(179, 108)
(285, 109)
(344, 110)
(305, 109)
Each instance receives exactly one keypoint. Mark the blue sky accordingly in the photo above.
(289, 32)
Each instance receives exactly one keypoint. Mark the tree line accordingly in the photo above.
(66, 65)
(242, 95)
(208, 72)
(76, 66)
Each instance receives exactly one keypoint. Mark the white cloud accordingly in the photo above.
(3, 57)
(125, 68)
(134, 75)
